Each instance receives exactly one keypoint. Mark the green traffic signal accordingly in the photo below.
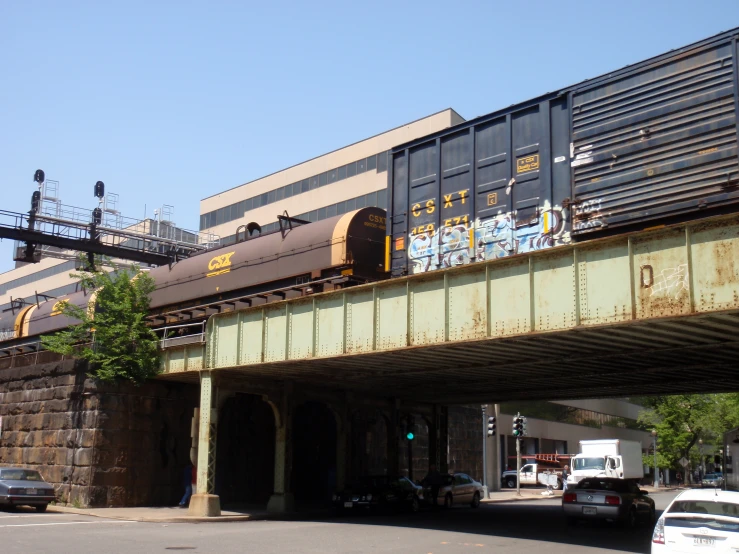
(410, 436)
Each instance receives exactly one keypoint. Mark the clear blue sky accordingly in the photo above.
(170, 102)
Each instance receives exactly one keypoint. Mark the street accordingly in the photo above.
(502, 527)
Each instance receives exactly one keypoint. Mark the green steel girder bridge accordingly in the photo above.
(645, 313)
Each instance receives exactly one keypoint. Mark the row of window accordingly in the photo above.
(373, 199)
(237, 210)
(549, 411)
(43, 274)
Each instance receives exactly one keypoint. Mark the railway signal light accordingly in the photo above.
(35, 200)
(99, 189)
(39, 177)
(491, 426)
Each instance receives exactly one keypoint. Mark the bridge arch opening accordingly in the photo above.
(314, 454)
(245, 451)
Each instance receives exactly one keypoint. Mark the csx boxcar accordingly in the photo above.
(645, 145)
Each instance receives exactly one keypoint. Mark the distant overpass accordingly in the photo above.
(651, 312)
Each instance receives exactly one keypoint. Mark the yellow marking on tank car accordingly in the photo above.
(219, 264)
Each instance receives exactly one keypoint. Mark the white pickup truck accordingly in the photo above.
(530, 475)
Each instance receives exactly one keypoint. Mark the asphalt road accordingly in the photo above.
(524, 526)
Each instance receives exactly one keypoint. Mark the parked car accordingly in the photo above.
(380, 492)
(698, 520)
(24, 487)
(712, 480)
(458, 489)
(608, 498)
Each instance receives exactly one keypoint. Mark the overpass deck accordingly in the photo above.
(644, 313)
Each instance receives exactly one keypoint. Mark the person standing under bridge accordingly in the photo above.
(433, 480)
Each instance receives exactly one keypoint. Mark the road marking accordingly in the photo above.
(64, 523)
(34, 515)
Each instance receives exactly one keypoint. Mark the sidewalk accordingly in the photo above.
(161, 514)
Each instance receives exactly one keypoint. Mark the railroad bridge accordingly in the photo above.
(650, 312)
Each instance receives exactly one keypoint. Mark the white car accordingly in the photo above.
(699, 520)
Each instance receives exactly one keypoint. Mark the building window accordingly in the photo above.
(371, 163)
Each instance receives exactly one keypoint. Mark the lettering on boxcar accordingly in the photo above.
(527, 163)
(492, 199)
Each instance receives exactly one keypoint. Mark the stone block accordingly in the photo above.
(83, 457)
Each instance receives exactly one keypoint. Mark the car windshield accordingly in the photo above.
(603, 485)
(683, 514)
(589, 463)
(20, 475)
(711, 476)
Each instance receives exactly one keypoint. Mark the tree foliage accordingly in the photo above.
(114, 336)
(682, 420)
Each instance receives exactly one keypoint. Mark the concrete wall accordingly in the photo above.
(100, 445)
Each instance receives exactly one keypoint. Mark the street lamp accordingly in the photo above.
(656, 475)
(702, 464)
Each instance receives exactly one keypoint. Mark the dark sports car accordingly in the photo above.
(381, 492)
(608, 498)
(24, 487)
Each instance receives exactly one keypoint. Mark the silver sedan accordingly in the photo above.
(24, 487)
(459, 489)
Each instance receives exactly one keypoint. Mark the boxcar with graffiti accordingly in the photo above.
(652, 143)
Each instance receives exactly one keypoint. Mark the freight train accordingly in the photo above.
(650, 144)
(298, 260)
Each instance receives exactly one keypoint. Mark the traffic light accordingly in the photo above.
(35, 200)
(410, 436)
(491, 426)
(524, 421)
(39, 176)
(99, 189)
(518, 427)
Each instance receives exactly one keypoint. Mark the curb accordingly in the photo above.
(180, 519)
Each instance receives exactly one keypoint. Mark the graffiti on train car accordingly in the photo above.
(498, 237)
(495, 237)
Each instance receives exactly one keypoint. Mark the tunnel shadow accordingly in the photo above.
(509, 520)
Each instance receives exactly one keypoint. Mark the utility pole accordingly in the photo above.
(518, 432)
(484, 450)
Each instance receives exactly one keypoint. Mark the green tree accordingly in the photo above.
(114, 336)
(681, 420)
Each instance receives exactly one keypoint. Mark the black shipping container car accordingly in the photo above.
(638, 147)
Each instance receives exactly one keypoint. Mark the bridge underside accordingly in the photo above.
(649, 313)
(695, 354)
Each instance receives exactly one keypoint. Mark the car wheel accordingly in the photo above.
(475, 501)
(42, 508)
(652, 517)
(510, 483)
(630, 521)
(415, 505)
(448, 500)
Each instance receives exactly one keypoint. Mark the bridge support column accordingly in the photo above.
(205, 503)
(343, 433)
(393, 462)
(439, 439)
(282, 499)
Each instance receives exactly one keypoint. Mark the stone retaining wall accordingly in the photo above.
(99, 444)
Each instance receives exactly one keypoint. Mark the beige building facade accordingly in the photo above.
(351, 177)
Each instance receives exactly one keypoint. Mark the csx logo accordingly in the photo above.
(377, 219)
(220, 264)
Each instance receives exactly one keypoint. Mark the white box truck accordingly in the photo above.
(617, 458)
